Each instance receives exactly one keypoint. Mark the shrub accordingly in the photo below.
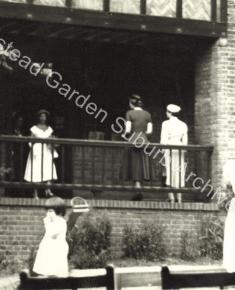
(224, 198)
(189, 246)
(211, 239)
(31, 259)
(144, 242)
(90, 241)
(10, 264)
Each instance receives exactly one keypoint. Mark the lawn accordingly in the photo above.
(168, 261)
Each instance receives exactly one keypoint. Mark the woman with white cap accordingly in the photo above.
(174, 132)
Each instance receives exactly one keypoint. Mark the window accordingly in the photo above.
(88, 4)
(199, 10)
(125, 6)
(161, 8)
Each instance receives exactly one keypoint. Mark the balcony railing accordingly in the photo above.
(94, 165)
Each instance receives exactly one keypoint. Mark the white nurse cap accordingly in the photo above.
(173, 108)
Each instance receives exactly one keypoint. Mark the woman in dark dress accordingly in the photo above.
(136, 165)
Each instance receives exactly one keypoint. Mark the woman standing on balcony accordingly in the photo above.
(174, 132)
(40, 166)
(136, 166)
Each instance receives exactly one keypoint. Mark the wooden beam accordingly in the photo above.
(115, 21)
(23, 29)
(60, 32)
(44, 30)
(99, 36)
(178, 280)
(78, 33)
(6, 26)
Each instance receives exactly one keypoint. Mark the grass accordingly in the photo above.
(169, 261)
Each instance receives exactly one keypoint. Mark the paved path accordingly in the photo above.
(9, 283)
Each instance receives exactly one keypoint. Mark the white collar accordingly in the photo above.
(138, 109)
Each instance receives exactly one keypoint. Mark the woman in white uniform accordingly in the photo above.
(174, 132)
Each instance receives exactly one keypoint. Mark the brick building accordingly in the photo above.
(167, 51)
(214, 97)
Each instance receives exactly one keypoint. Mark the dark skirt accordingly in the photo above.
(136, 165)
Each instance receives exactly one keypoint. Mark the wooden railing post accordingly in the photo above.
(224, 8)
(68, 3)
(110, 274)
(143, 7)
(179, 8)
(106, 5)
(214, 10)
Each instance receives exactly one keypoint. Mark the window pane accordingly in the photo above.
(200, 9)
(60, 3)
(88, 4)
(125, 6)
(161, 8)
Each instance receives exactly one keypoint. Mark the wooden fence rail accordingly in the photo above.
(42, 282)
(192, 279)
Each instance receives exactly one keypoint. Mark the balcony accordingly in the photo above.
(206, 18)
(93, 167)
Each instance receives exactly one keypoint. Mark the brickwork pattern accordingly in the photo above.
(215, 98)
(22, 227)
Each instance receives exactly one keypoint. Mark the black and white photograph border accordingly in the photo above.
(117, 144)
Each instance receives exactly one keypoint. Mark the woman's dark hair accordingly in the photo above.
(40, 112)
(60, 210)
(57, 204)
(136, 101)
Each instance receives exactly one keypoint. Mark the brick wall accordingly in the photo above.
(21, 226)
(215, 97)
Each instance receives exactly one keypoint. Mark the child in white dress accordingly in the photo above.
(52, 255)
(229, 229)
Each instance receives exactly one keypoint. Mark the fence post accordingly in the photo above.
(110, 276)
